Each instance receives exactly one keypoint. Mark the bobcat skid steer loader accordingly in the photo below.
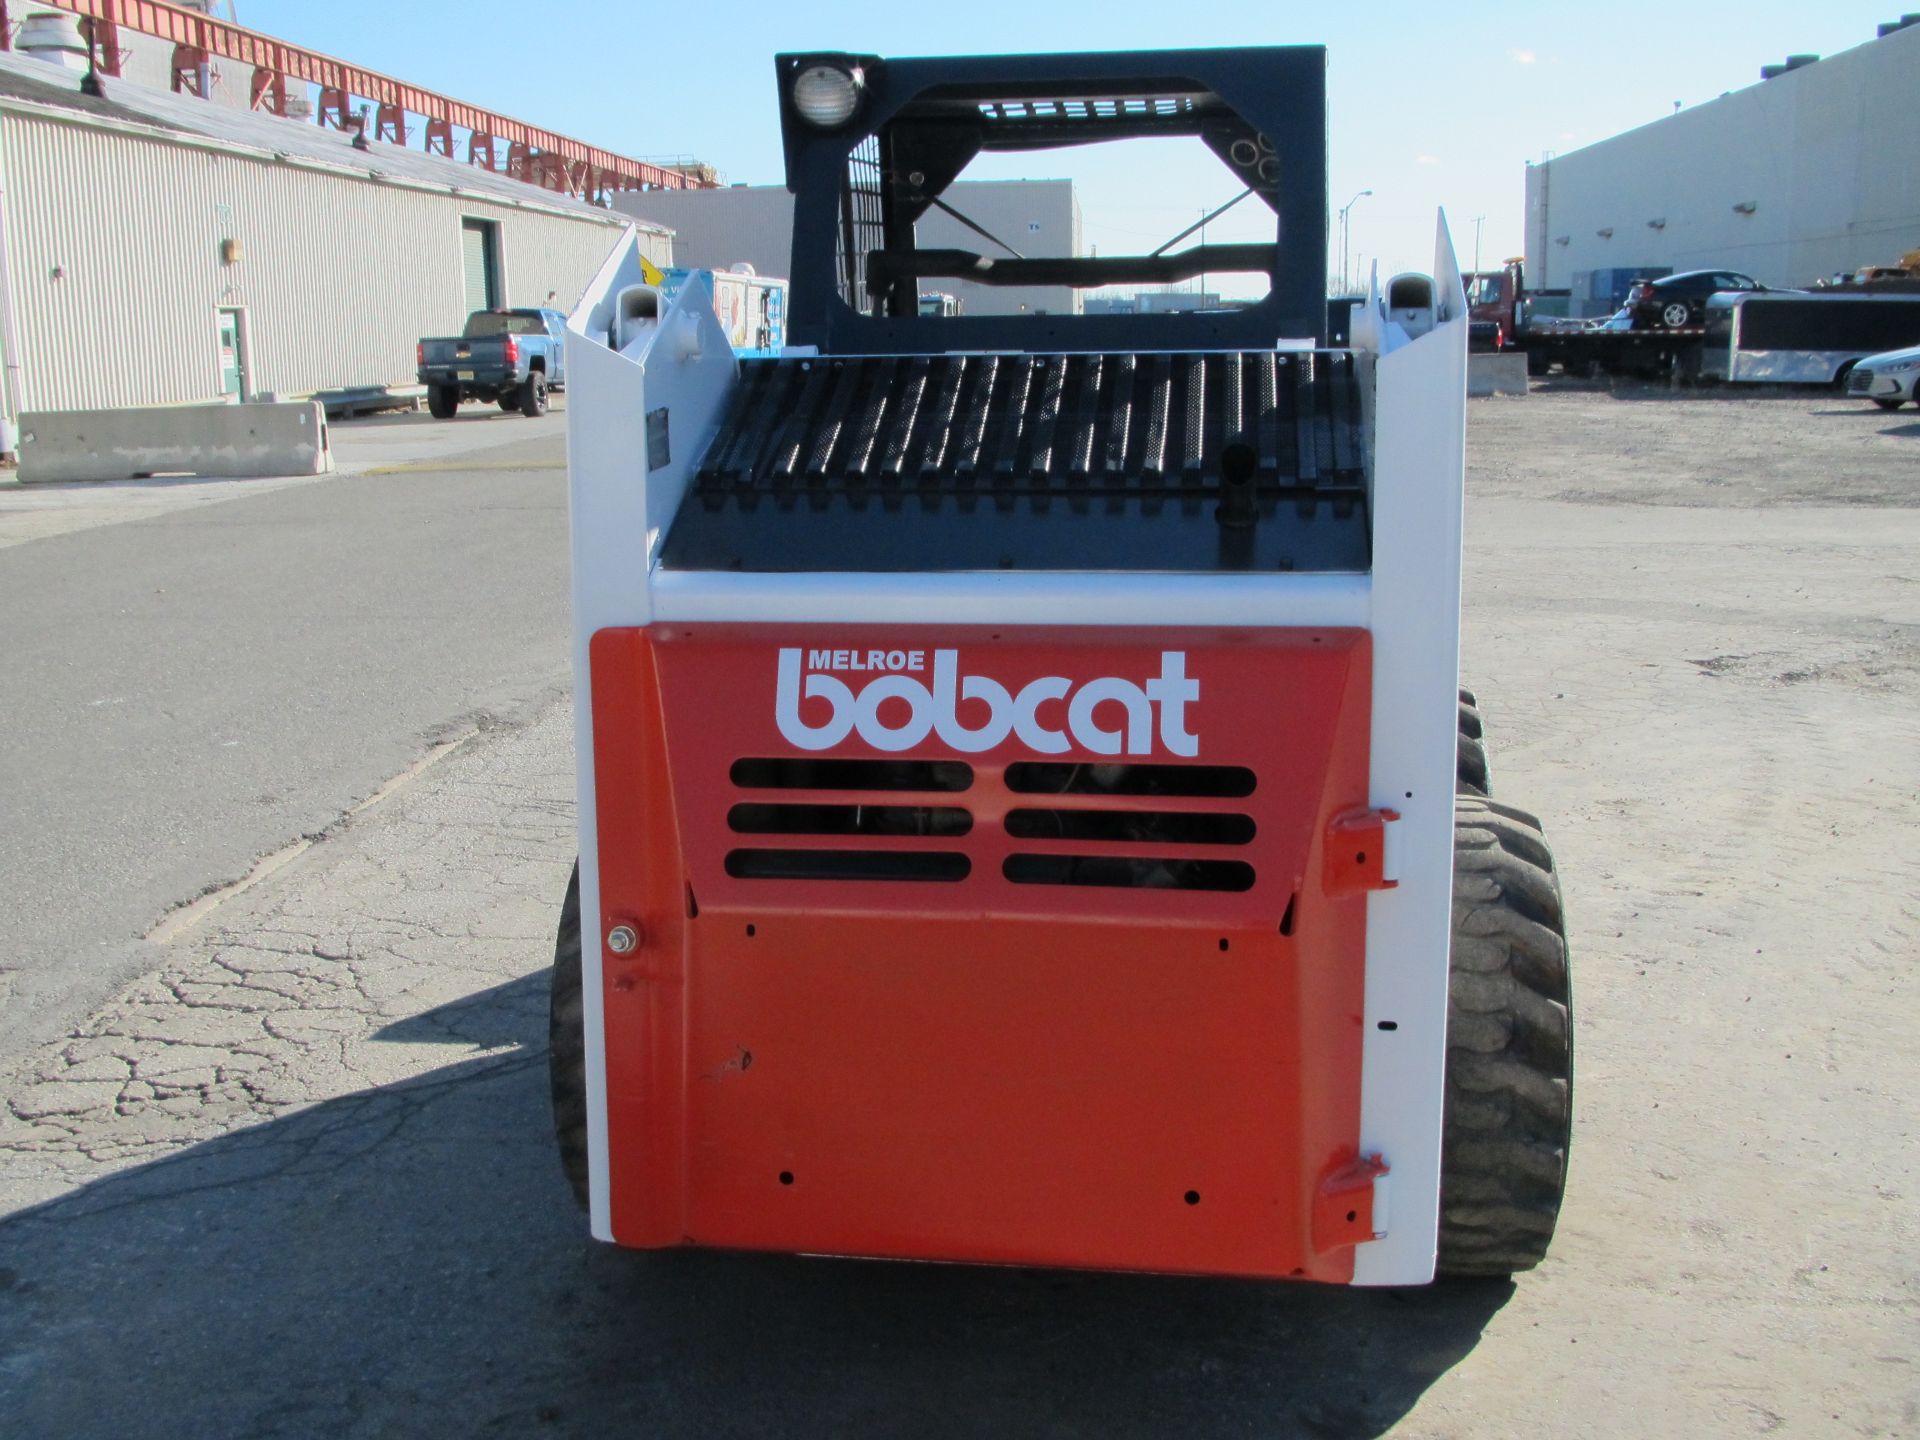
(1027, 810)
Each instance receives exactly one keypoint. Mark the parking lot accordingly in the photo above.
(297, 1177)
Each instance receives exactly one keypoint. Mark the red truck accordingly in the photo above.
(1497, 307)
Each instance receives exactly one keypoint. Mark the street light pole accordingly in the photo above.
(1478, 221)
(1346, 281)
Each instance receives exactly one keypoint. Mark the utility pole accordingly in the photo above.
(1346, 279)
(1478, 221)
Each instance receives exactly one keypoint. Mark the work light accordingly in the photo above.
(826, 95)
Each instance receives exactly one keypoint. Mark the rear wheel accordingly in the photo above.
(1509, 1089)
(1675, 313)
(533, 396)
(443, 401)
(567, 1045)
(1537, 362)
(1471, 775)
(510, 401)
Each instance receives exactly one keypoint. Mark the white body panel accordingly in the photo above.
(1413, 405)
(1418, 418)
(617, 511)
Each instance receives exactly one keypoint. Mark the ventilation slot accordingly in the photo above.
(793, 774)
(1131, 826)
(848, 820)
(1128, 873)
(1200, 781)
(847, 865)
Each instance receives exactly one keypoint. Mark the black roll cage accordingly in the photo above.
(920, 122)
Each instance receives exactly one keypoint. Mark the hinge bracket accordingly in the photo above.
(1357, 852)
(1349, 1207)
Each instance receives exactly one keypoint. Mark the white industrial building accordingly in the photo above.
(156, 248)
(1808, 173)
(753, 224)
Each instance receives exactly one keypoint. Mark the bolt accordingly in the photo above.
(623, 939)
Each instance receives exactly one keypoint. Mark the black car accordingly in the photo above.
(1675, 301)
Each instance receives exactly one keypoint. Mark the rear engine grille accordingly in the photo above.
(1054, 778)
(1131, 826)
(827, 819)
(848, 820)
(1126, 872)
(1140, 827)
(785, 773)
(1129, 832)
(847, 865)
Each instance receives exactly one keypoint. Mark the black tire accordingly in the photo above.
(1471, 773)
(1675, 314)
(510, 401)
(443, 401)
(1887, 403)
(1538, 363)
(533, 396)
(567, 1046)
(1841, 376)
(1509, 1092)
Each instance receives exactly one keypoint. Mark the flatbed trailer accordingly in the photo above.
(1656, 353)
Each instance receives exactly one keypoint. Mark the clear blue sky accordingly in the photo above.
(1430, 106)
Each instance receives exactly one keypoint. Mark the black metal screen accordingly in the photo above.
(862, 222)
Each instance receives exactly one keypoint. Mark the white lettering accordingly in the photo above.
(946, 718)
(877, 732)
(1107, 742)
(1026, 723)
(786, 706)
(1173, 692)
(975, 713)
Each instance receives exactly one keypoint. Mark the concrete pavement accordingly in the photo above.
(200, 674)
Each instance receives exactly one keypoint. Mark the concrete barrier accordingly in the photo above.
(1497, 374)
(225, 441)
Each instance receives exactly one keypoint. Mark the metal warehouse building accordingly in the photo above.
(754, 224)
(1812, 171)
(156, 248)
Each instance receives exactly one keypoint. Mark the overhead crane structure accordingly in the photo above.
(494, 142)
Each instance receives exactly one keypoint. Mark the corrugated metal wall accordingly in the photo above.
(115, 243)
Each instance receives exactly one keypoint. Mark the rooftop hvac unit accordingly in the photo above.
(54, 38)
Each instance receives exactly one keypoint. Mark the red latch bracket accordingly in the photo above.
(1356, 852)
(1343, 1206)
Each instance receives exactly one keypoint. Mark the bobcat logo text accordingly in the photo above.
(1108, 715)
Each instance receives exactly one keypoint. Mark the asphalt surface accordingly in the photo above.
(298, 1177)
(302, 1182)
(192, 689)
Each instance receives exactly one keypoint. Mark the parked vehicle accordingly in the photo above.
(1796, 338)
(1497, 306)
(1888, 379)
(1022, 773)
(511, 357)
(1676, 301)
(751, 308)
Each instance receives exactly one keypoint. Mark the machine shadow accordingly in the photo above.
(405, 1260)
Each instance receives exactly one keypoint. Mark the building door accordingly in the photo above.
(233, 355)
(480, 264)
